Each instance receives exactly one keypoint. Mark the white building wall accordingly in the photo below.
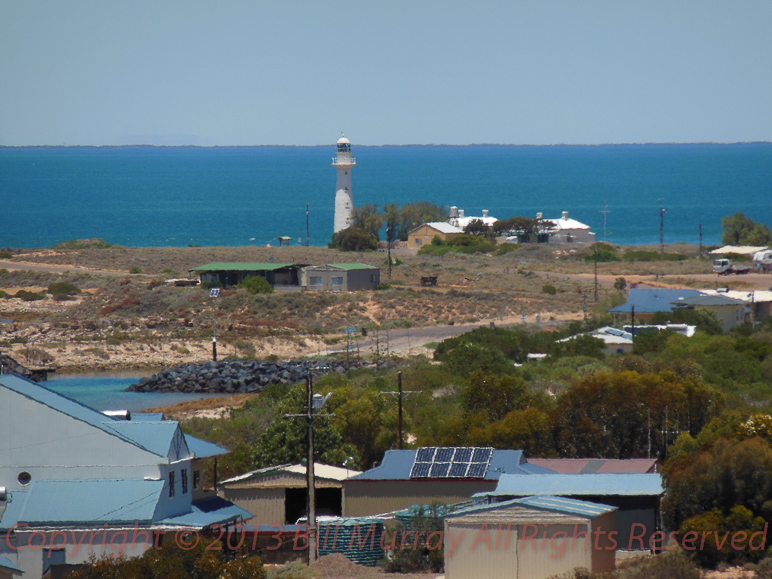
(344, 200)
(51, 445)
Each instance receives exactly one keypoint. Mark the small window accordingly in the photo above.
(315, 280)
(171, 484)
(196, 479)
(24, 478)
(184, 480)
(418, 241)
(372, 278)
(337, 281)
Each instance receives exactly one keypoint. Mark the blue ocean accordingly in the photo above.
(235, 196)
(108, 393)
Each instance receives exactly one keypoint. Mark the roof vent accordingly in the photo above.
(565, 214)
(485, 213)
(461, 213)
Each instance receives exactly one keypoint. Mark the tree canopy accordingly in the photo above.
(742, 230)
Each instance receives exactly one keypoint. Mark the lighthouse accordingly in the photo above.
(344, 196)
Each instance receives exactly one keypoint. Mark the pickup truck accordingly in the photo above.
(725, 266)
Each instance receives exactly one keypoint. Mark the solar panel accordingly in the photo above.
(440, 469)
(477, 470)
(444, 455)
(482, 455)
(458, 469)
(420, 470)
(463, 455)
(425, 454)
(447, 462)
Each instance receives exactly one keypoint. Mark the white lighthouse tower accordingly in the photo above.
(344, 196)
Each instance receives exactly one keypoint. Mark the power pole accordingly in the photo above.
(700, 239)
(400, 395)
(308, 236)
(596, 271)
(605, 215)
(388, 248)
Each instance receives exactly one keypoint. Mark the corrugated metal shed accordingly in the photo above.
(359, 539)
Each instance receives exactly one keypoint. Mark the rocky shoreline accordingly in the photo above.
(236, 376)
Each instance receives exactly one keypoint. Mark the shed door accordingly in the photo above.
(473, 558)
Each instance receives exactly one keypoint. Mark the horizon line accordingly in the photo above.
(190, 146)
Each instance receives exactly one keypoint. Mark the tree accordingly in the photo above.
(494, 396)
(742, 230)
(368, 219)
(353, 239)
(477, 227)
(524, 227)
(285, 440)
(414, 214)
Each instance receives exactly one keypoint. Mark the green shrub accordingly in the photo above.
(63, 288)
(505, 248)
(135, 269)
(5, 255)
(549, 289)
(3, 295)
(94, 243)
(620, 283)
(207, 285)
(256, 284)
(29, 296)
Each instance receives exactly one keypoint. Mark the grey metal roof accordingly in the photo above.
(652, 300)
(9, 565)
(612, 484)
(397, 464)
(203, 448)
(705, 300)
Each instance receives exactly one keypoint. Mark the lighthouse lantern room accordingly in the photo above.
(344, 197)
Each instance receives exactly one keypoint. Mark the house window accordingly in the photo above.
(315, 280)
(418, 241)
(372, 278)
(196, 479)
(184, 480)
(171, 484)
(337, 281)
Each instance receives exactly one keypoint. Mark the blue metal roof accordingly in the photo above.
(652, 300)
(8, 565)
(203, 448)
(545, 503)
(397, 464)
(151, 416)
(76, 410)
(157, 437)
(207, 512)
(88, 501)
(612, 484)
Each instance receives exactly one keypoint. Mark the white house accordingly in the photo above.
(567, 230)
(76, 482)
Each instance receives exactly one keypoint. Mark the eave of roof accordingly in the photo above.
(238, 266)
(611, 484)
(207, 512)
(9, 565)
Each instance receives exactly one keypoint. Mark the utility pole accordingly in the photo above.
(596, 271)
(308, 236)
(700, 239)
(388, 248)
(400, 395)
(605, 214)
(661, 229)
(313, 403)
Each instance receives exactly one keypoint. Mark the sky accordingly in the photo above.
(296, 72)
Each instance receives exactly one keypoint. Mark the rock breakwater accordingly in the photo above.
(234, 376)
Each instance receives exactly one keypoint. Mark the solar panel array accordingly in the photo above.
(451, 462)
